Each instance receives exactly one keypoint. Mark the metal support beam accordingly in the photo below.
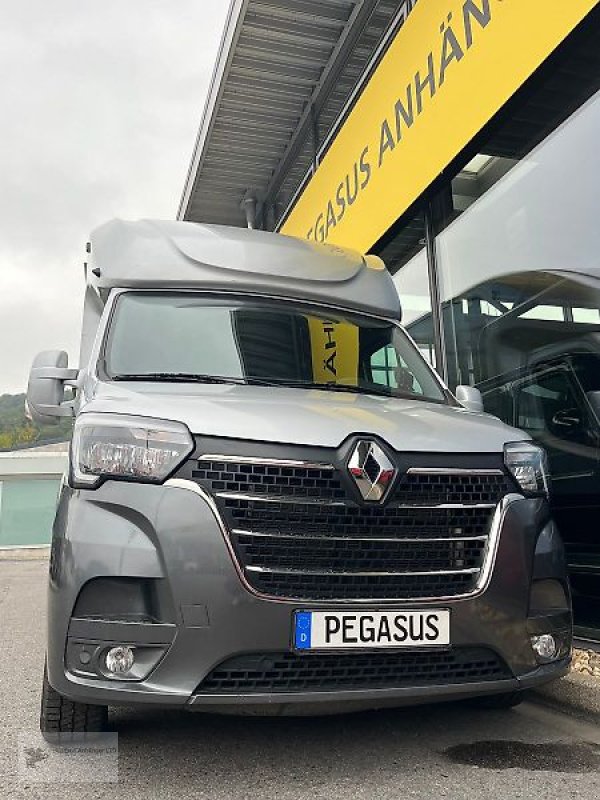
(314, 117)
(354, 27)
(434, 294)
(280, 174)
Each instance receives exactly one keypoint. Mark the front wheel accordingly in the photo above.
(59, 715)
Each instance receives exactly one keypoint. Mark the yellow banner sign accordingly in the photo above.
(334, 347)
(451, 67)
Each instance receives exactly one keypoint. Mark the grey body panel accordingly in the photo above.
(180, 542)
(158, 254)
(319, 417)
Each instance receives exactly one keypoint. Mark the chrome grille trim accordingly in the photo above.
(485, 571)
(451, 471)
(275, 498)
(291, 571)
(301, 576)
(413, 539)
(264, 462)
(304, 501)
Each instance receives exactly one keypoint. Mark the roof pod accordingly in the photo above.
(185, 255)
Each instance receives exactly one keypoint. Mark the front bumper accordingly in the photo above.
(168, 537)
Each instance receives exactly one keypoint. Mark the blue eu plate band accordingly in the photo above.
(302, 632)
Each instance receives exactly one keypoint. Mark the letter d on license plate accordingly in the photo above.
(320, 630)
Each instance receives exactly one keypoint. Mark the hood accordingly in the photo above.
(307, 416)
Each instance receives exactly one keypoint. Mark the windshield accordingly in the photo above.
(187, 336)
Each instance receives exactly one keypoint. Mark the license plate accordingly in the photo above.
(322, 630)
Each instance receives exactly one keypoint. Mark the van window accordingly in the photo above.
(551, 405)
(516, 323)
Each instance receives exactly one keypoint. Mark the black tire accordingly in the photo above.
(500, 701)
(61, 716)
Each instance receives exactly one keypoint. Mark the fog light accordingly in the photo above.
(119, 659)
(544, 646)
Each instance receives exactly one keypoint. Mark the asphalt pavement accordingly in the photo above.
(441, 751)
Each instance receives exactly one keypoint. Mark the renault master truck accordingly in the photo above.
(273, 504)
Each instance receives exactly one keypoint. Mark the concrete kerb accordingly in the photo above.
(25, 553)
(575, 694)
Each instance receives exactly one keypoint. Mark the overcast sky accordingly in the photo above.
(100, 102)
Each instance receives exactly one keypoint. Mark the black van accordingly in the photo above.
(531, 343)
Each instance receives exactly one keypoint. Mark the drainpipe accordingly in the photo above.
(249, 205)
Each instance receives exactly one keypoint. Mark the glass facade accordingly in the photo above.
(519, 274)
(515, 261)
(510, 266)
(405, 255)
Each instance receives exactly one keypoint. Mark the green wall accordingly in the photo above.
(27, 510)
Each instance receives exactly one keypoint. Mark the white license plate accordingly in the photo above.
(321, 630)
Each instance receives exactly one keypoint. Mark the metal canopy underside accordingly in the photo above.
(284, 73)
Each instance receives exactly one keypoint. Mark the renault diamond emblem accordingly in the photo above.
(371, 469)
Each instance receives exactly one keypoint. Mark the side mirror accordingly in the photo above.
(46, 388)
(469, 397)
(568, 419)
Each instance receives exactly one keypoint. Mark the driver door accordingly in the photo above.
(551, 406)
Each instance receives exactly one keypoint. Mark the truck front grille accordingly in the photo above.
(290, 672)
(270, 479)
(303, 585)
(430, 488)
(350, 555)
(350, 521)
(300, 532)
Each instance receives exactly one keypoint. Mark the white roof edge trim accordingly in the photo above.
(231, 32)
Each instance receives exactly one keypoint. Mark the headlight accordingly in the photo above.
(126, 448)
(527, 464)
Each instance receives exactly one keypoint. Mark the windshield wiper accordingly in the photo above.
(195, 377)
(250, 380)
(379, 391)
(180, 377)
(333, 387)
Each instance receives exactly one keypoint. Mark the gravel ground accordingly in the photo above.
(446, 751)
(587, 662)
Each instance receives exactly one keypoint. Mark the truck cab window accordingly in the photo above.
(158, 335)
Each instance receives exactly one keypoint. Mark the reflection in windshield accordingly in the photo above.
(185, 336)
